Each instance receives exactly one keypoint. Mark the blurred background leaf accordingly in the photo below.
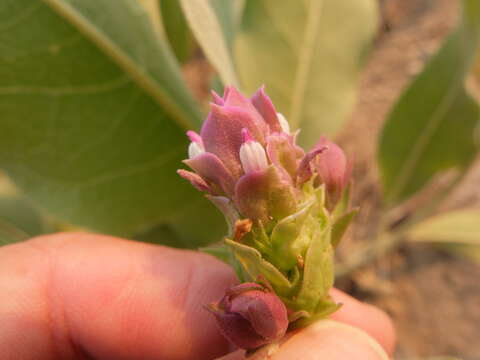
(19, 220)
(94, 111)
(431, 127)
(179, 35)
(308, 61)
(213, 34)
(228, 14)
(456, 231)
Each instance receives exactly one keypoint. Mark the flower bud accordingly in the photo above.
(332, 168)
(252, 154)
(250, 315)
(196, 146)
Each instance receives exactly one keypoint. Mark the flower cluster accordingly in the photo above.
(246, 156)
(286, 210)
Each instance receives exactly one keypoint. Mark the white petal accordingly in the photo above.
(253, 156)
(283, 123)
(194, 149)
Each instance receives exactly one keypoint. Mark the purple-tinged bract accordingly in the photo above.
(245, 151)
(250, 315)
(283, 207)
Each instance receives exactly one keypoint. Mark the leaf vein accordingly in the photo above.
(66, 90)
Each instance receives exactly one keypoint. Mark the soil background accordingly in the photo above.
(432, 296)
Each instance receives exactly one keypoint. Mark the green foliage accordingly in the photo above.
(94, 107)
(431, 127)
(341, 224)
(255, 266)
(457, 231)
(318, 273)
(206, 26)
(308, 61)
(19, 220)
(176, 28)
(227, 13)
(93, 117)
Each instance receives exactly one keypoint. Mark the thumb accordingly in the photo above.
(326, 339)
(329, 339)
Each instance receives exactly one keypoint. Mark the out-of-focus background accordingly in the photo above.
(433, 296)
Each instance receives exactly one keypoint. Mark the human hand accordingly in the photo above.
(84, 296)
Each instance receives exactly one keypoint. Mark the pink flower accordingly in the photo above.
(250, 315)
(276, 199)
(246, 153)
(333, 169)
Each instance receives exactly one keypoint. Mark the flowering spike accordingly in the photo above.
(283, 123)
(286, 211)
(252, 155)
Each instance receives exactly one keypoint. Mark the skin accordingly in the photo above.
(85, 296)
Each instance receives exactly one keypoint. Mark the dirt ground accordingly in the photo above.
(433, 297)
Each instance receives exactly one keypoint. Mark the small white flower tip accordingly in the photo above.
(195, 149)
(283, 123)
(253, 157)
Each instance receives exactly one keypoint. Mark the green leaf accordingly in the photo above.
(318, 272)
(287, 245)
(93, 117)
(226, 13)
(461, 226)
(127, 37)
(341, 224)
(19, 220)
(254, 265)
(307, 58)
(221, 252)
(208, 30)
(226, 254)
(179, 35)
(152, 8)
(431, 127)
(457, 231)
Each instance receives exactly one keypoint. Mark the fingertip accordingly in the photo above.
(370, 319)
(116, 298)
(329, 339)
